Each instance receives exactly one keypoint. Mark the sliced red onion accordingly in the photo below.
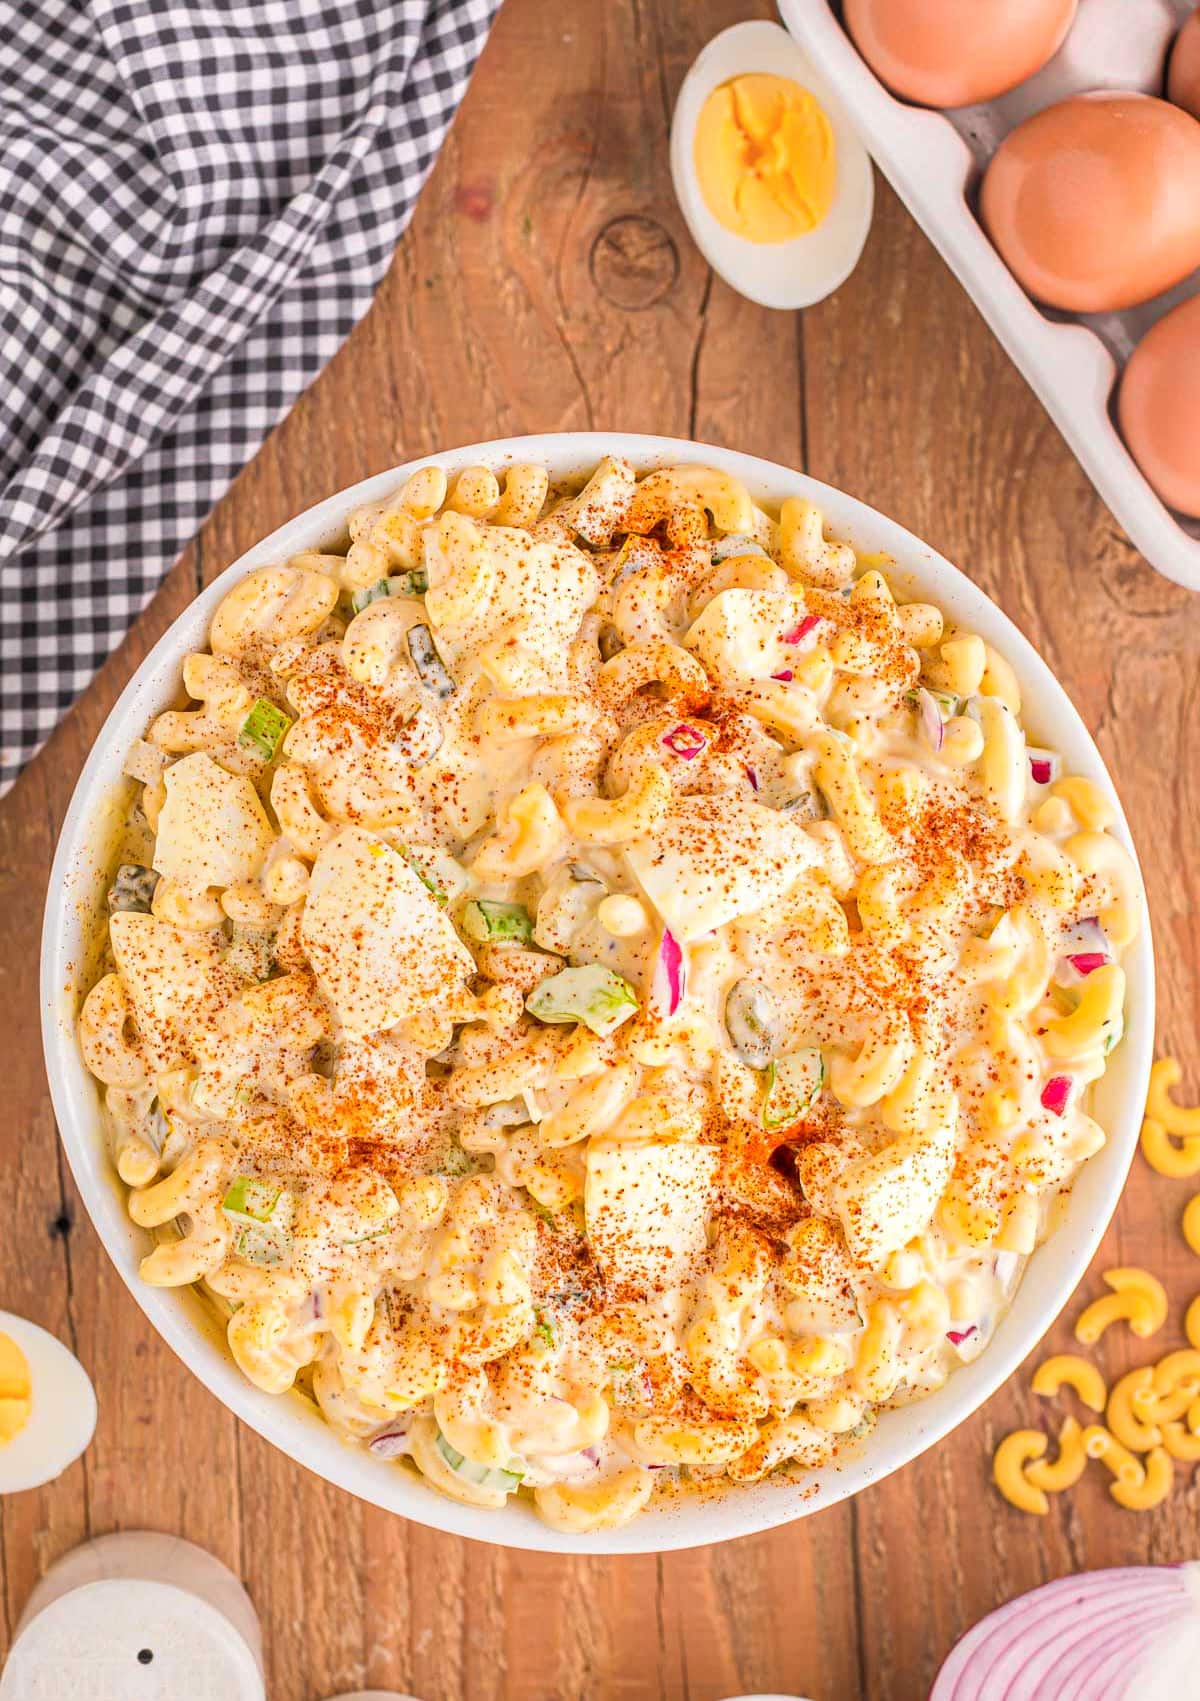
(686, 742)
(956, 1337)
(669, 974)
(930, 717)
(805, 629)
(785, 677)
(751, 775)
(1056, 1094)
(390, 1443)
(1113, 1635)
(1045, 766)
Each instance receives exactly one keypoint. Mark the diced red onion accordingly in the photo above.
(390, 1443)
(1085, 949)
(785, 677)
(1045, 766)
(956, 1337)
(669, 976)
(1056, 1094)
(1103, 1636)
(930, 715)
(1087, 962)
(751, 775)
(804, 629)
(686, 742)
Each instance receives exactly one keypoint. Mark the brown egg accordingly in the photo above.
(957, 52)
(1183, 73)
(1095, 203)
(1159, 407)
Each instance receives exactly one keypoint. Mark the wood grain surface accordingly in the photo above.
(548, 283)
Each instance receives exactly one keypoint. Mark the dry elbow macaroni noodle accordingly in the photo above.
(601, 995)
(1152, 1412)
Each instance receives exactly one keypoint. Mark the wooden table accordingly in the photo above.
(548, 283)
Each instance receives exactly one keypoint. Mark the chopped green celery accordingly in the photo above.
(431, 669)
(793, 1084)
(412, 584)
(362, 1239)
(157, 1124)
(948, 704)
(592, 994)
(489, 923)
(263, 729)
(262, 1243)
(544, 1212)
(483, 1476)
(213, 1097)
(252, 1198)
(454, 1161)
(429, 880)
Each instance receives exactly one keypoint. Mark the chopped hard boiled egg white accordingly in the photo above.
(47, 1406)
(716, 858)
(380, 946)
(885, 1199)
(534, 594)
(212, 829)
(647, 1204)
(740, 634)
(176, 982)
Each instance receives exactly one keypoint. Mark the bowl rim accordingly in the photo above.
(290, 1423)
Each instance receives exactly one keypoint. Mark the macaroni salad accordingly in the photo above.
(599, 992)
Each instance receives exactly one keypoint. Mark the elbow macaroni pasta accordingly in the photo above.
(593, 993)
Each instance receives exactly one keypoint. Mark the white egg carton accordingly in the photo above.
(935, 160)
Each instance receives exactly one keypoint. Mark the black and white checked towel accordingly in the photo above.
(197, 201)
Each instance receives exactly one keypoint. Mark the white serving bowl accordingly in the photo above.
(82, 867)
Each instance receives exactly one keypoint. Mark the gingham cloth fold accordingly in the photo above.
(197, 201)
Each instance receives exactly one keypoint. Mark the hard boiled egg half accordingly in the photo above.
(774, 183)
(47, 1406)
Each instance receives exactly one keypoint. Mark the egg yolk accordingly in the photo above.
(16, 1389)
(765, 158)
